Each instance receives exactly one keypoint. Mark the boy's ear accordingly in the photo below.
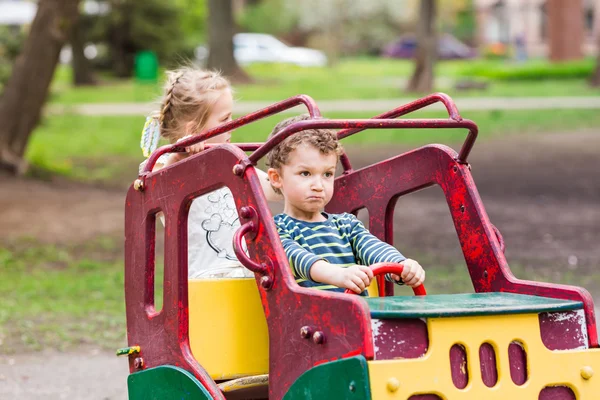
(274, 178)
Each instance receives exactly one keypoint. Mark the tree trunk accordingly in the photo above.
(595, 79)
(565, 29)
(122, 51)
(83, 73)
(26, 90)
(422, 77)
(220, 40)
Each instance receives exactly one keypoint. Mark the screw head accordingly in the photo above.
(266, 282)
(138, 363)
(246, 212)
(393, 384)
(587, 373)
(305, 332)
(138, 185)
(318, 337)
(352, 387)
(238, 170)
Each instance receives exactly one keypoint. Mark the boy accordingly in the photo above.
(326, 251)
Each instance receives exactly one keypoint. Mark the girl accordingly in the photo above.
(195, 101)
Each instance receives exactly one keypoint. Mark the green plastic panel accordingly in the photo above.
(346, 379)
(165, 383)
(468, 304)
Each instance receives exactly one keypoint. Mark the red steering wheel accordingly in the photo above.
(391, 268)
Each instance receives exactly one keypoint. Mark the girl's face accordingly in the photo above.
(221, 113)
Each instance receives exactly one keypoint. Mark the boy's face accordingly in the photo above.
(306, 181)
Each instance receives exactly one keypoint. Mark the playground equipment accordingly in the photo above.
(267, 337)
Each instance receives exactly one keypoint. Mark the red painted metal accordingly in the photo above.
(563, 330)
(414, 343)
(163, 336)
(391, 268)
(361, 124)
(517, 358)
(500, 238)
(377, 188)
(403, 110)
(487, 363)
(458, 366)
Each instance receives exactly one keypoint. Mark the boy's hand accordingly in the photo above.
(356, 278)
(413, 274)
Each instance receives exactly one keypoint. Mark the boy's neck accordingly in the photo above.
(303, 215)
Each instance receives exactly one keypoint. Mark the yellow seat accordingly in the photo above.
(228, 329)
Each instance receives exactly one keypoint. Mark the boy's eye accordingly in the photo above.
(328, 174)
(304, 173)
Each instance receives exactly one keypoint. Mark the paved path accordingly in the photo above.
(375, 106)
(89, 375)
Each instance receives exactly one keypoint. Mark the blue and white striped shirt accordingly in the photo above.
(341, 240)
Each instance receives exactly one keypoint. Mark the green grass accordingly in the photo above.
(102, 149)
(61, 296)
(353, 78)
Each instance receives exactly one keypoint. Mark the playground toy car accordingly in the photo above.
(267, 337)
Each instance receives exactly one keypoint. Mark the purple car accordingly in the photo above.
(449, 48)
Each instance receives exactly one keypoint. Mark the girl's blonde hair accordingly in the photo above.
(189, 96)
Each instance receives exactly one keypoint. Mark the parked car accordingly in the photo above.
(251, 48)
(449, 48)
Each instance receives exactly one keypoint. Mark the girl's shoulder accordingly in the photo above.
(161, 160)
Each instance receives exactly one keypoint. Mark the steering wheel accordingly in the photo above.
(391, 268)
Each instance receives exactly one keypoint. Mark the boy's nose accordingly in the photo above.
(317, 185)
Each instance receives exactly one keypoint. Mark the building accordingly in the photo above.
(510, 21)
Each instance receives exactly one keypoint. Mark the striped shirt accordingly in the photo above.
(341, 240)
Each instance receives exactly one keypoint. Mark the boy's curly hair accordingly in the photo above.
(325, 140)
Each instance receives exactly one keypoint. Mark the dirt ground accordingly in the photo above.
(542, 192)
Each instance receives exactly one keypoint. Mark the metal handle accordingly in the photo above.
(410, 107)
(239, 250)
(403, 110)
(310, 104)
(361, 124)
(392, 268)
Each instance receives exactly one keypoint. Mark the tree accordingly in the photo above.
(565, 23)
(426, 54)
(131, 26)
(595, 79)
(27, 88)
(193, 20)
(83, 74)
(220, 40)
(11, 43)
